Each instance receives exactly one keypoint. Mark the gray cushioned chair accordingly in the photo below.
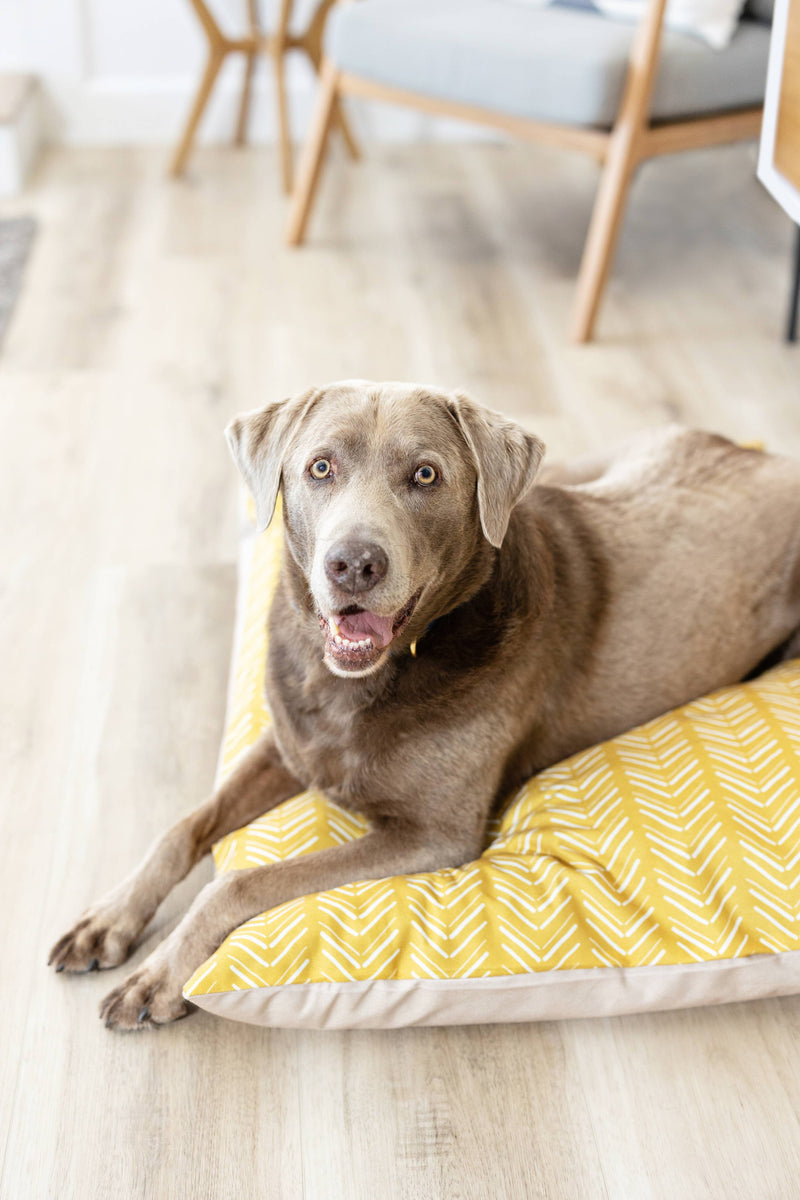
(563, 74)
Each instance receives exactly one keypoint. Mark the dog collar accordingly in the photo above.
(413, 646)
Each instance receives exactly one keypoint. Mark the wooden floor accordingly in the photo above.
(151, 312)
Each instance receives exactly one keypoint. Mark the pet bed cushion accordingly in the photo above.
(658, 870)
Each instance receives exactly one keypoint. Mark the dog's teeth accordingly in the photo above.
(345, 643)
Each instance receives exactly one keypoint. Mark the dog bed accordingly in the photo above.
(658, 870)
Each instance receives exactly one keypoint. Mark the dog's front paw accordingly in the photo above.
(102, 938)
(147, 998)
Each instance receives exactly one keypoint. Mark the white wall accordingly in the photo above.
(123, 71)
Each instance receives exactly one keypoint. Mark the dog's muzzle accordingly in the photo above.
(356, 638)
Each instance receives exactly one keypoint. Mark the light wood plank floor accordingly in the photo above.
(151, 312)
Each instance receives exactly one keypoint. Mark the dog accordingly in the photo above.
(446, 624)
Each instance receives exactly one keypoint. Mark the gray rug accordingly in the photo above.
(16, 239)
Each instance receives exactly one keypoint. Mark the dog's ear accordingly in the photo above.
(258, 442)
(507, 459)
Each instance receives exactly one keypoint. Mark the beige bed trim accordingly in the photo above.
(544, 996)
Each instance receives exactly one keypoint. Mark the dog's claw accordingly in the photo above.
(59, 968)
(146, 1000)
(97, 940)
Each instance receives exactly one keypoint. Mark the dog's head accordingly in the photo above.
(388, 492)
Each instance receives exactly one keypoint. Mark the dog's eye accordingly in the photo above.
(320, 469)
(425, 475)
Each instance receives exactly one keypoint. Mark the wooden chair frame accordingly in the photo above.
(632, 139)
(275, 45)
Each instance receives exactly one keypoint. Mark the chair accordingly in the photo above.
(275, 45)
(560, 75)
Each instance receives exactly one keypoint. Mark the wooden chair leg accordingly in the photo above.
(601, 241)
(240, 136)
(346, 132)
(312, 44)
(313, 155)
(621, 158)
(284, 132)
(216, 56)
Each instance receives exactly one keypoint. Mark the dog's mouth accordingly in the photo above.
(356, 638)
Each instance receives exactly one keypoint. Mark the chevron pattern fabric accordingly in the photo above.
(676, 843)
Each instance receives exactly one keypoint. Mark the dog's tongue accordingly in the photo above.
(358, 626)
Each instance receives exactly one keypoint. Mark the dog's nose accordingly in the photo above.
(356, 566)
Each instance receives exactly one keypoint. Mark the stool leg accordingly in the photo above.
(284, 132)
(216, 56)
(794, 294)
(240, 136)
(313, 154)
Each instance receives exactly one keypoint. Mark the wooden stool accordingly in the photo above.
(256, 42)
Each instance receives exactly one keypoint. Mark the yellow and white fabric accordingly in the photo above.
(658, 870)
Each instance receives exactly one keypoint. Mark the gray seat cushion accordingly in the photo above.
(552, 64)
